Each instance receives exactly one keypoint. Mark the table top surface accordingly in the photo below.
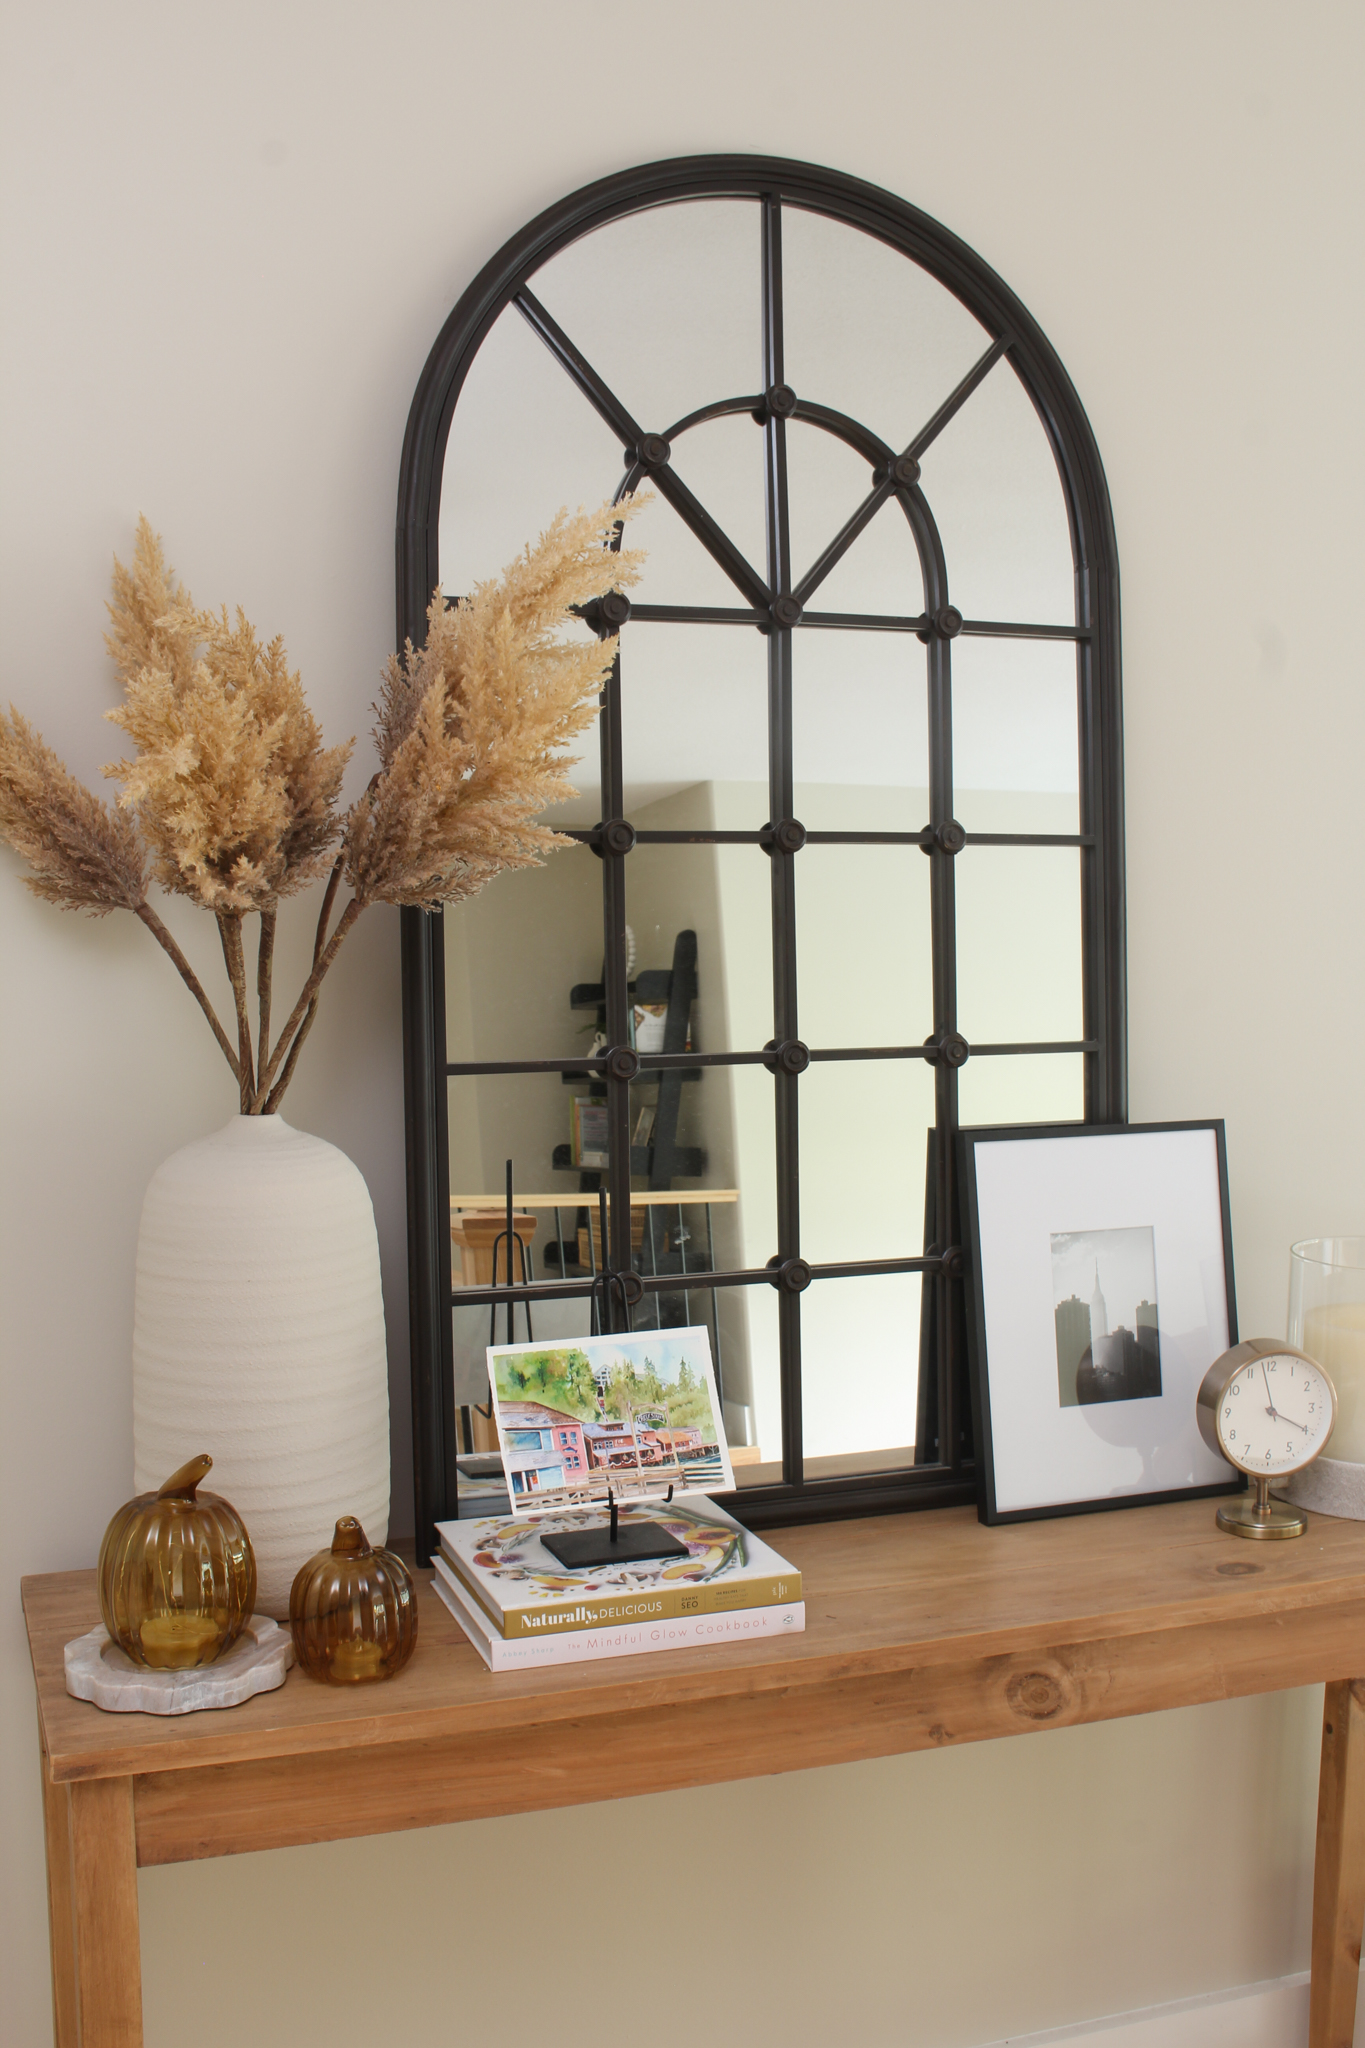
(883, 1595)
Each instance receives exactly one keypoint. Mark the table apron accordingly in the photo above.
(275, 1802)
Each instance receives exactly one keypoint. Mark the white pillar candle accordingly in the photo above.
(1334, 1334)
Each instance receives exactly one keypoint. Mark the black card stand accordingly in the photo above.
(607, 1543)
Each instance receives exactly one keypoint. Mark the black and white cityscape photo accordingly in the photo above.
(1104, 1300)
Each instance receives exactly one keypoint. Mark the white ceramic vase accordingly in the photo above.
(258, 1336)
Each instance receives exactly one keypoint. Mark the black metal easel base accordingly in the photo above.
(589, 1549)
(608, 1543)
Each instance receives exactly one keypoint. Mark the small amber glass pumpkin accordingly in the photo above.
(353, 1610)
(177, 1574)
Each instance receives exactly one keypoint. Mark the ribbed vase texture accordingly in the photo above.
(258, 1336)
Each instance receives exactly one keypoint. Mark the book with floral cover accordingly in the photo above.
(521, 1592)
(626, 1638)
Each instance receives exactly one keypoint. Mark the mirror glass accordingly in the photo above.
(847, 689)
(681, 686)
(863, 980)
(665, 305)
(1034, 1088)
(868, 332)
(992, 481)
(1019, 944)
(1015, 749)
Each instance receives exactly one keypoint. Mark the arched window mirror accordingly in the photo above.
(849, 867)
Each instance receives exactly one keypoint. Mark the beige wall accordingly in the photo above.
(229, 239)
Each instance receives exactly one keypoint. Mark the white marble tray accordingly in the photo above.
(97, 1670)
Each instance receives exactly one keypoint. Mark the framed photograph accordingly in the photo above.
(1099, 1292)
(630, 1415)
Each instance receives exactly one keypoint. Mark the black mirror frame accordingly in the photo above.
(1099, 706)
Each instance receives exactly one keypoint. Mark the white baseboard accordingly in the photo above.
(1273, 2015)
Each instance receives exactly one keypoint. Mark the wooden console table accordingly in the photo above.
(922, 1630)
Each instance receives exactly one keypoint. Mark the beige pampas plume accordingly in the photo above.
(471, 727)
(230, 785)
(83, 855)
(230, 797)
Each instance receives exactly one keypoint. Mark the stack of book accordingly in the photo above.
(521, 1608)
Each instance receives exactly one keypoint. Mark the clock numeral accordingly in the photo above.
(1272, 1367)
(1236, 1389)
(1289, 1447)
(1312, 1407)
(1267, 1457)
(1232, 1436)
(1226, 1412)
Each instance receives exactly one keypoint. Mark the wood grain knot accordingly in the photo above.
(1035, 1695)
(1240, 1569)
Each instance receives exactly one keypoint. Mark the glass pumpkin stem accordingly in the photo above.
(181, 1484)
(350, 1539)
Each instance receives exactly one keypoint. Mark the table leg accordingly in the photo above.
(1339, 1869)
(60, 1924)
(104, 1883)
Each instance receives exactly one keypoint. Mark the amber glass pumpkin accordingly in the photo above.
(177, 1574)
(353, 1610)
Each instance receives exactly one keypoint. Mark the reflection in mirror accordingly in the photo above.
(523, 442)
(513, 954)
(524, 969)
(1015, 754)
(677, 568)
(493, 1118)
(858, 1393)
(751, 1314)
(665, 306)
(1033, 1088)
(860, 734)
(721, 461)
(991, 478)
(694, 730)
(722, 895)
(860, 1336)
(870, 333)
(862, 1196)
(862, 940)
(827, 482)
(1019, 944)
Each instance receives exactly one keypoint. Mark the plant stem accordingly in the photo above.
(272, 1101)
(191, 980)
(265, 961)
(298, 1015)
(230, 932)
(324, 915)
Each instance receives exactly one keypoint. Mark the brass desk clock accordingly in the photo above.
(1268, 1409)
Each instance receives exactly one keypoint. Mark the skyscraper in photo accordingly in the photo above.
(1099, 1315)
(1073, 1341)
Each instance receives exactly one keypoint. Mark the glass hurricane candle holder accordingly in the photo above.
(177, 1575)
(1327, 1320)
(353, 1610)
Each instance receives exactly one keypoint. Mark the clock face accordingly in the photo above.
(1274, 1414)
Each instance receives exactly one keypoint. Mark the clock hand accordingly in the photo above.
(1272, 1411)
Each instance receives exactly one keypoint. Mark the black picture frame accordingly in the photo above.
(986, 1410)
